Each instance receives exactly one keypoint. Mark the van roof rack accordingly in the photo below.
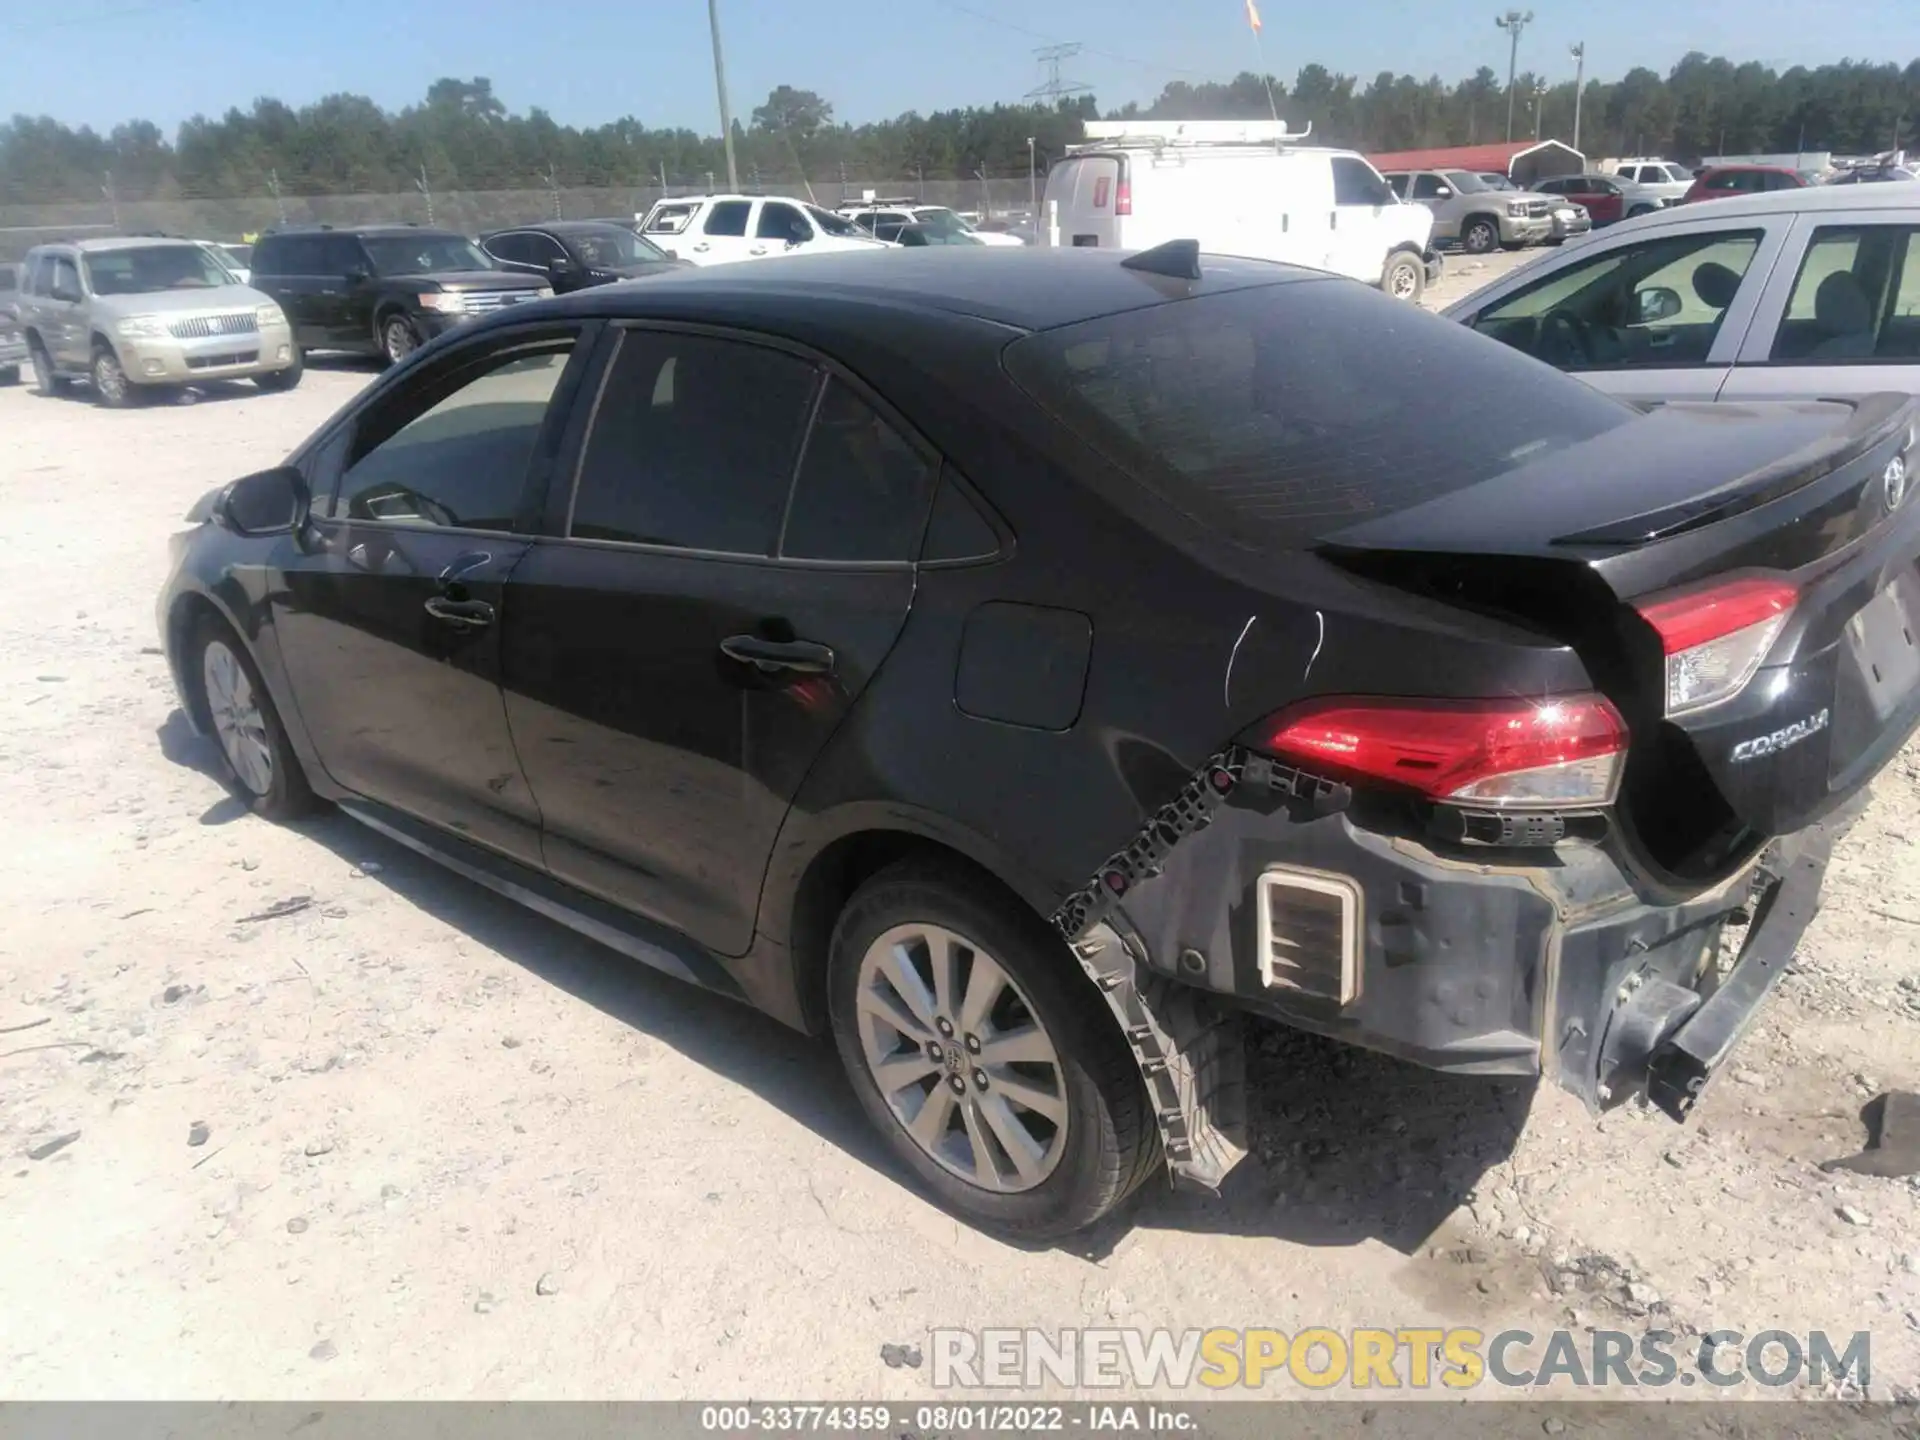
(1162, 133)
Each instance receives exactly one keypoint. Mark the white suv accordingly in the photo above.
(1658, 179)
(717, 229)
(885, 217)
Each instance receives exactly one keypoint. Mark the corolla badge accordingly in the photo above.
(1780, 739)
(1893, 483)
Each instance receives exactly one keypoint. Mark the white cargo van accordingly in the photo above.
(1239, 188)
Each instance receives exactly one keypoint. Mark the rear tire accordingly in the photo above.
(45, 379)
(1032, 1172)
(1480, 236)
(1405, 277)
(257, 762)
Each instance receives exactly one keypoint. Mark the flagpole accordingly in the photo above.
(1260, 51)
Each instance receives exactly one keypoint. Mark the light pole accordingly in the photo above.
(1539, 106)
(1579, 52)
(1033, 182)
(720, 84)
(1513, 22)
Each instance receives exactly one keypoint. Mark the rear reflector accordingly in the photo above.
(1123, 198)
(1560, 753)
(1716, 636)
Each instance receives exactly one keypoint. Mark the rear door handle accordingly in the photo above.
(798, 657)
(461, 614)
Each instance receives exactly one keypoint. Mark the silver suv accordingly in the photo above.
(127, 315)
(1471, 213)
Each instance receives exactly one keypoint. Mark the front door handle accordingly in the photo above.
(797, 657)
(461, 614)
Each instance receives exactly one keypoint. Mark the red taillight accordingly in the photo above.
(1560, 752)
(1715, 636)
(1123, 197)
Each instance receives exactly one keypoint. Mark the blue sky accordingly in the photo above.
(588, 62)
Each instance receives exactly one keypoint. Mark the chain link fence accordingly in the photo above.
(469, 211)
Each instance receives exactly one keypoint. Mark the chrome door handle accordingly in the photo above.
(800, 657)
(461, 614)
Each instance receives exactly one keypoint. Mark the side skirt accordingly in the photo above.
(652, 945)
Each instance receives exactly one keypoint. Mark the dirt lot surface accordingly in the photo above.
(408, 1140)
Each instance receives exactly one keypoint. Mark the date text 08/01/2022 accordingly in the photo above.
(799, 1419)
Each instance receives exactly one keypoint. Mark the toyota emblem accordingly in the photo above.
(1893, 484)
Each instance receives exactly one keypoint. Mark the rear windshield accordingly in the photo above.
(1278, 415)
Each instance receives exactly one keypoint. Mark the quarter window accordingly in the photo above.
(693, 445)
(1657, 304)
(862, 491)
(453, 450)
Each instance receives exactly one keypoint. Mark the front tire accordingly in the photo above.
(1405, 277)
(111, 387)
(257, 762)
(398, 339)
(984, 1057)
(279, 380)
(1481, 237)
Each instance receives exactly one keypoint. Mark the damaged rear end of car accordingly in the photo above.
(1586, 697)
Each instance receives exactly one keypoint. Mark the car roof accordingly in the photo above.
(101, 245)
(1810, 199)
(1033, 289)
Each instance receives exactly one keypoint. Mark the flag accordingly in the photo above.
(1253, 16)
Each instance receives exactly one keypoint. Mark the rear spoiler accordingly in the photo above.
(1874, 418)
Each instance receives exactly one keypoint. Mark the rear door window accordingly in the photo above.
(728, 217)
(1857, 297)
(693, 444)
(1266, 413)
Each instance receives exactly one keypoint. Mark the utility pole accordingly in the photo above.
(1513, 22)
(1033, 182)
(1579, 52)
(273, 189)
(1539, 106)
(425, 190)
(663, 179)
(553, 188)
(1054, 89)
(113, 200)
(720, 84)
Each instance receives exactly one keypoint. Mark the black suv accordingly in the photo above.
(574, 254)
(382, 289)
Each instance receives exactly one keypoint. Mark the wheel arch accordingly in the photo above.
(184, 615)
(801, 904)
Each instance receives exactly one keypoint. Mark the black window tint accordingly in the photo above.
(863, 489)
(301, 256)
(693, 445)
(517, 248)
(1267, 414)
(454, 449)
(957, 530)
(1426, 187)
(341, 254)
(1397, 184)
(781, 222)
(321, 466)
(1354, 183)
(728, 217)
(266, 258)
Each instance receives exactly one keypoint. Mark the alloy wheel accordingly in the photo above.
(400, 341)
(109, 380)
(962, 1058)
(237, 718)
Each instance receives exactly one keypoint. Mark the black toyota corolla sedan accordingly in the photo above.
(996, 660)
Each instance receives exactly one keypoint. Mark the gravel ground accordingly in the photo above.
(410, 1141)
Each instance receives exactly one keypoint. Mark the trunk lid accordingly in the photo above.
(1692, 496)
